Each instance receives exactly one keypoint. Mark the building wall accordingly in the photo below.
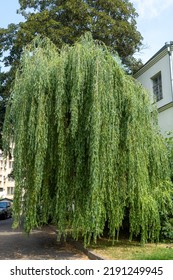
(163, 66)
(7, 183)
(160, 62)
(165, 120)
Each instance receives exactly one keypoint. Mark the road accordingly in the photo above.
(40, 245)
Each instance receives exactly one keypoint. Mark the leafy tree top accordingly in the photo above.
(112, 22)
(63, 22)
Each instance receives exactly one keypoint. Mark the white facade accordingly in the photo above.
(7, 183)
(161, 64)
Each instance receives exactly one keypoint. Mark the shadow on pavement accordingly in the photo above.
(39, 245)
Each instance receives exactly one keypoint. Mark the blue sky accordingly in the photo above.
(155, 22)
(8, 12)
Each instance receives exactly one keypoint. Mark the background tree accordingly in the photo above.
(112, 22)
(86, 146)
(4, 95)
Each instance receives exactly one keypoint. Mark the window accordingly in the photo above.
(10, 190)
(157, 86)
(10, 164)
(1, 189)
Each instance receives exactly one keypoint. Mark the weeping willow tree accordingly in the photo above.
(86, 144)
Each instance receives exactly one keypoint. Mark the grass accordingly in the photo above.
(126, 250)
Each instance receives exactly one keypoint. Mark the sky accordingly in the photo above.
(155, 22)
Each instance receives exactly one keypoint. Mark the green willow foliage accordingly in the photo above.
(86, 146)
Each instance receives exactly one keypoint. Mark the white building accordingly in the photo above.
(7, 183)
(157, 77)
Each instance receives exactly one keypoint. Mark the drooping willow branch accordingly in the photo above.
(86, 145)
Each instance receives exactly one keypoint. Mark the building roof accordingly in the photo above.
(156, 57)
(6, 199)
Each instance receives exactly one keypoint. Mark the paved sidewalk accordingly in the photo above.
(40, 245)
(79, 246)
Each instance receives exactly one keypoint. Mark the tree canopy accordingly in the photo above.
(87, 147)
(112, 22)
(63, 22)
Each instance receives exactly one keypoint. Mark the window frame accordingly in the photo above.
(10, 190)
(157, 86)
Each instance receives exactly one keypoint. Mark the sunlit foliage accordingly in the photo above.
(86, 144)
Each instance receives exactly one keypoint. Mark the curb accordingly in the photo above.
(78, 245)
